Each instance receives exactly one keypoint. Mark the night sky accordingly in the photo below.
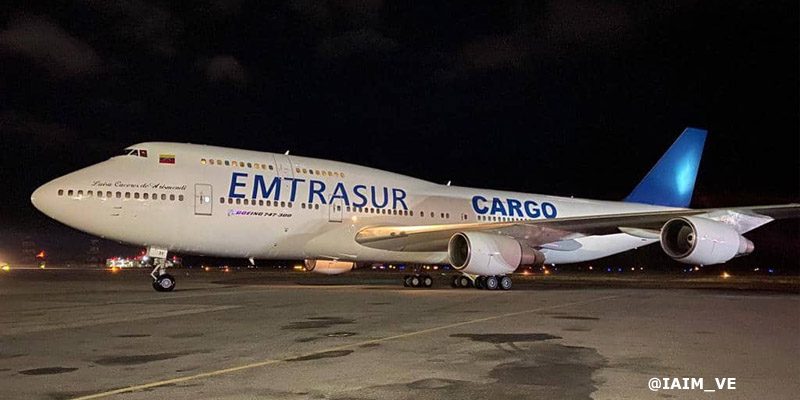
(559, 97)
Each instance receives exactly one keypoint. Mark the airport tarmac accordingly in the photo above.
(92, 334)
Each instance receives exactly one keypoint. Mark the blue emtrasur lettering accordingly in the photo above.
(508, 207)
(295, 181)
(340, 193)
(261, 187)
(359, 191)
(317, 187)
(399, 196)
(235, 184)
(375, 197)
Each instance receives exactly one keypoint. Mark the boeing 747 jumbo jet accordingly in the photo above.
(217, 201)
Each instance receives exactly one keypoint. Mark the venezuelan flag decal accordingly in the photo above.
(166, 158)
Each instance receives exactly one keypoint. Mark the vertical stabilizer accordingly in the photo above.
(671, 181)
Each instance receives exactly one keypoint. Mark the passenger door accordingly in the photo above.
(335, 210)
(203, 199)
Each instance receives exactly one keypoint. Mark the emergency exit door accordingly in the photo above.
(203, 199)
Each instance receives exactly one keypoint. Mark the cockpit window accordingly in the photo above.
(134, 152)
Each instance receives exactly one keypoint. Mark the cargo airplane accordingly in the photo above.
(215, 201)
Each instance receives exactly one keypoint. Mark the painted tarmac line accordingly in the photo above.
(11, 331)
(266, 362)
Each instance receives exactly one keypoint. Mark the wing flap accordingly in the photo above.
(538, 233)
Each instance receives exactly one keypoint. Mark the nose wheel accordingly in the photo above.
(162, 281)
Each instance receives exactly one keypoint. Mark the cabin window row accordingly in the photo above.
(240, 164)
(260, 202)
(384, 211)
(406, 213)
(318, 172)
(361, 210)
(119, 195)
(495, 218)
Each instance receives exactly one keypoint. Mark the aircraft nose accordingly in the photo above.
(42, 198)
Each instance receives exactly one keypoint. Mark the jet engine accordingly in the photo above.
(488, 254)
(329, 267)
(697, 240)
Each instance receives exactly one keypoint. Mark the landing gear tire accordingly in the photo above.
(417, 281)
(491, 283)
(480, 282)
(464, 282)
(505, 283)
(454, 282)
(164, 283)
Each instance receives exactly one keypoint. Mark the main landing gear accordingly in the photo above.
(418, 281)
(482, 282)
(162, 281)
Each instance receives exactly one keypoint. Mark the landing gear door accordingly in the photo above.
(335, 210)
(202, 199)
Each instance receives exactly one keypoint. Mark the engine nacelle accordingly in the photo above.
(697, 240)
(329, 267)
(488, 254)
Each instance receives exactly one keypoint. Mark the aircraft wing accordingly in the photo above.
(558, 232)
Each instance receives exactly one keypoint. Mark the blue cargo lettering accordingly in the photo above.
(317, 187)
(260, 189)
(399, 196)
(514, 206)
(497, 207)
(509, 207)
(235, 184)
(549, 210)
(479, 209)
(358, 190)
(532, 209)
(340, 193)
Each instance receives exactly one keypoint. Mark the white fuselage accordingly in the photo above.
(238, 203)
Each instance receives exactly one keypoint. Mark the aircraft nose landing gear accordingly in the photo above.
(162, 281)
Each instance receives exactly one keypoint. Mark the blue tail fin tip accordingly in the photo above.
(671, 181)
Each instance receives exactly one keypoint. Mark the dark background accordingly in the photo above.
(559, 97)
